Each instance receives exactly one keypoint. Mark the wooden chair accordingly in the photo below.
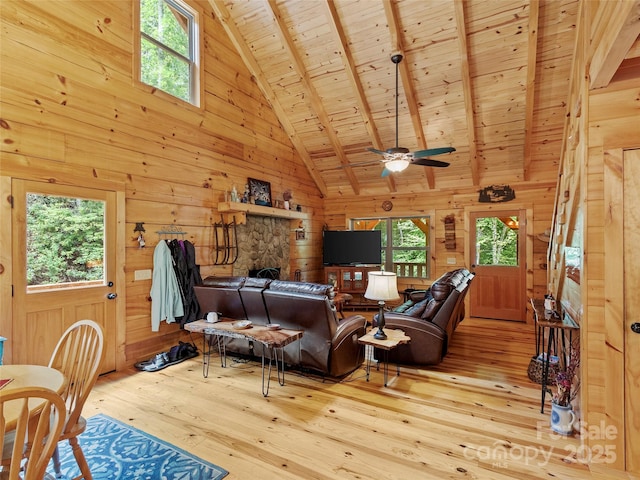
(28, 447)
(77, 355)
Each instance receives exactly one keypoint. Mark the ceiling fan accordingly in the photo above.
(396, 159)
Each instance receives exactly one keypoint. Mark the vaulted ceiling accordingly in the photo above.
(487, 77)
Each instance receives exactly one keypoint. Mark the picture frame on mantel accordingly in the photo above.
(260, 191)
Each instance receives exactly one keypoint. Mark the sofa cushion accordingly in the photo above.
(440, 291)
(255, 282)
(302, 287)
(431, 309)
(417, 309)
(233, 282)
(418, 295)
(404, 307)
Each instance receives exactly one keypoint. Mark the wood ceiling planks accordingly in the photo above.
(488, 78)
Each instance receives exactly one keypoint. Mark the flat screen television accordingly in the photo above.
(351, 247)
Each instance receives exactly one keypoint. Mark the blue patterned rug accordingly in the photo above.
(117, 451)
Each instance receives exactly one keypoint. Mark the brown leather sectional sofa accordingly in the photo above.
(430, 318)
(329, 345)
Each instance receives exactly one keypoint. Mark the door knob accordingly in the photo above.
(635, 327)
(111, 296)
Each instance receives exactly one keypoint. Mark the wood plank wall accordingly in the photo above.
(536, 197)
(612, 127)
(601, 123)
(73, 113)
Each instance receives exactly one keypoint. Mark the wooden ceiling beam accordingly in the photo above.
(532, 62)
(409, 91)
(613, 38)
(311, 93)
(352, 74)
(467, 91)
(245, 53)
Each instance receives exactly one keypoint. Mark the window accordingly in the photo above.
(497, 241)
(169, 46)
(65, 241)
(405, 244)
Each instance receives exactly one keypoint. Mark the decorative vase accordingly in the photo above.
(562, 419)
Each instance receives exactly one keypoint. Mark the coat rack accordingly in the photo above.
(225, 242)
(171, 231)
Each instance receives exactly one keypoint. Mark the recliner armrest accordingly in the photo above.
(348, 325)
(398, 320)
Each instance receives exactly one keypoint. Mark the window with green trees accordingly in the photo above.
(497, 241)
(169, 48)
(405, 244)
(65, 240)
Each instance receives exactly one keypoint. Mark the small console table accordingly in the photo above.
(270, 339)
(394, 338)
(553, 328)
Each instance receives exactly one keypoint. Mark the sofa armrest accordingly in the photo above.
(428, 340)
(346, 353)
(398, 320)
(349, 324)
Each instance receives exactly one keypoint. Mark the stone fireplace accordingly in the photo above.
(263, 242)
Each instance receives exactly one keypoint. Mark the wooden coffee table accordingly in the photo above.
(394, 338)
(271, 340)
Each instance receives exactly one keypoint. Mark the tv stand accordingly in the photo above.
(352, 280)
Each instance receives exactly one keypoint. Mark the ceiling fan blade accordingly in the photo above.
(428, 162)
(433, 151)
(375, 150)
(385, 172)
(357, 164)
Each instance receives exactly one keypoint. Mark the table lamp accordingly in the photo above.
(382, 286)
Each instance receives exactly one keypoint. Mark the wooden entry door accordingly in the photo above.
(42, 310)
(631, 309)
(497, 249)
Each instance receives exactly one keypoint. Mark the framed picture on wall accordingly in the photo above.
(260, 191)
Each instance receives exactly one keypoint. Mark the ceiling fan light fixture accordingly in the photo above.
(399, 163)
(397, 158)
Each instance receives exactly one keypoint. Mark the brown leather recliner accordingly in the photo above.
(329, 344)
(430, 323)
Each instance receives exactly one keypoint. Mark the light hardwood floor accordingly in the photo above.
(476, 415)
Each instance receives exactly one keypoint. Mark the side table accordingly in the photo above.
(554, 329)
(394, 338)
(339, 300)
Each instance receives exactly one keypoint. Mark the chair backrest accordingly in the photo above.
(78, 356)
(40, 426)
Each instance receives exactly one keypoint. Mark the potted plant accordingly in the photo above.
(567, 385)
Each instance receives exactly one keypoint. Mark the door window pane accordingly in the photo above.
(497, 241)
(65, 240)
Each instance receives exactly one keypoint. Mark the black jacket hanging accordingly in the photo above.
(191, 306)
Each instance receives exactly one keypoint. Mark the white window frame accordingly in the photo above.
(194, 13)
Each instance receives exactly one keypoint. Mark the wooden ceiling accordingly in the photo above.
(489, 78)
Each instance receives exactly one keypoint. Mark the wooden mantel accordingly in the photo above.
(241, 210)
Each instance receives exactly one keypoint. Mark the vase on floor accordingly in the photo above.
(562, 419)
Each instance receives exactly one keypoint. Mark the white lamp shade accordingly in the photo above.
(382, 286)
(397, 165)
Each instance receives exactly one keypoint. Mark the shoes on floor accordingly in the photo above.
(177, 353)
